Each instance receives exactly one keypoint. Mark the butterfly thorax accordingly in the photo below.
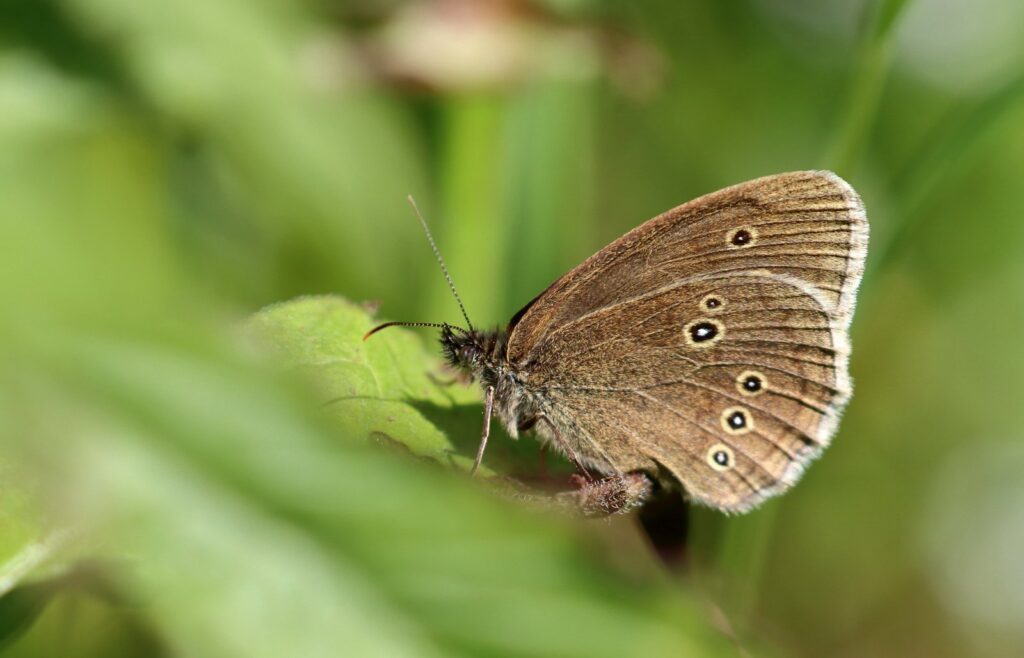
(483, 356)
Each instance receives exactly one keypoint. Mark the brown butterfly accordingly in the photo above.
(706, 348)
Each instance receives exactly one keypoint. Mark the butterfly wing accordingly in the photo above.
(710, 342)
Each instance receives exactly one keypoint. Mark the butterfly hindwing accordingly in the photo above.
(763, 386)
(710, 343)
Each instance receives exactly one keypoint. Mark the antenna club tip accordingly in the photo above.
(376, 329)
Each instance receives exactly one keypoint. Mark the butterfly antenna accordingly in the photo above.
(405, 324)
(433, 245)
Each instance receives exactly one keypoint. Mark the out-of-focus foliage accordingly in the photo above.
(372, 388)
(242, 526)
(184, 474)
(389, 390)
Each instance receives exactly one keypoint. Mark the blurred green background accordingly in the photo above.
(168, 169)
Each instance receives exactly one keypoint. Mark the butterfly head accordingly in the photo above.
(463, 349)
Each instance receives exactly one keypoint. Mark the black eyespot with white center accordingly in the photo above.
(720, 457)
(751, 383)
(703, 332)
(737, 420)
(712, 303)
(742, 237)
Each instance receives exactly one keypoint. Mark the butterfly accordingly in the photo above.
(705, 350)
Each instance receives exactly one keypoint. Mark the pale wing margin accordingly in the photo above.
(569, 403)
(529, 329)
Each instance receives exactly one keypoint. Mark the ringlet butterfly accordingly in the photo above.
(706, 349)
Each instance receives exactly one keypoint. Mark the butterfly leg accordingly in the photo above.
(564, 445)
(616, 494)
(486, 432)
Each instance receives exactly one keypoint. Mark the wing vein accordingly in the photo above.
(715, 436)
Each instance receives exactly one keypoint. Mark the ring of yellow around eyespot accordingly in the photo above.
(712, 309)
(722, 452)
(748, 421)
(741, 382)
(741, 238)
(691, 329)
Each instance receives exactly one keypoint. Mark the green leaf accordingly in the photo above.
(389, 388)
(255, 529)
(26, 561)
(20, 608)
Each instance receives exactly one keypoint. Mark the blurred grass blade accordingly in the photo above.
(258, 532)
(471, 211)
(946, 149)
(869, 74)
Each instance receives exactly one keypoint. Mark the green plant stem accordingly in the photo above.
(471, 217)
(944, 151)
(548, 163)
(865, 93)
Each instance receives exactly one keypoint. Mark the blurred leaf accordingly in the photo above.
(168, 168)
(23, 595)
(370, 388)
(261, 92)
(388, 389)
(29, 554)
(20, 608)
(83, 223)
(255, 532)
(79, 612)
(19, 523)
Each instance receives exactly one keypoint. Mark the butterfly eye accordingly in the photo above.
(743, 237)
(712, 303)
(703, 333)
(751, 383)
(720, 457)
(737, 420)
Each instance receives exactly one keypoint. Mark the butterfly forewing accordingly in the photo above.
(709, 343)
